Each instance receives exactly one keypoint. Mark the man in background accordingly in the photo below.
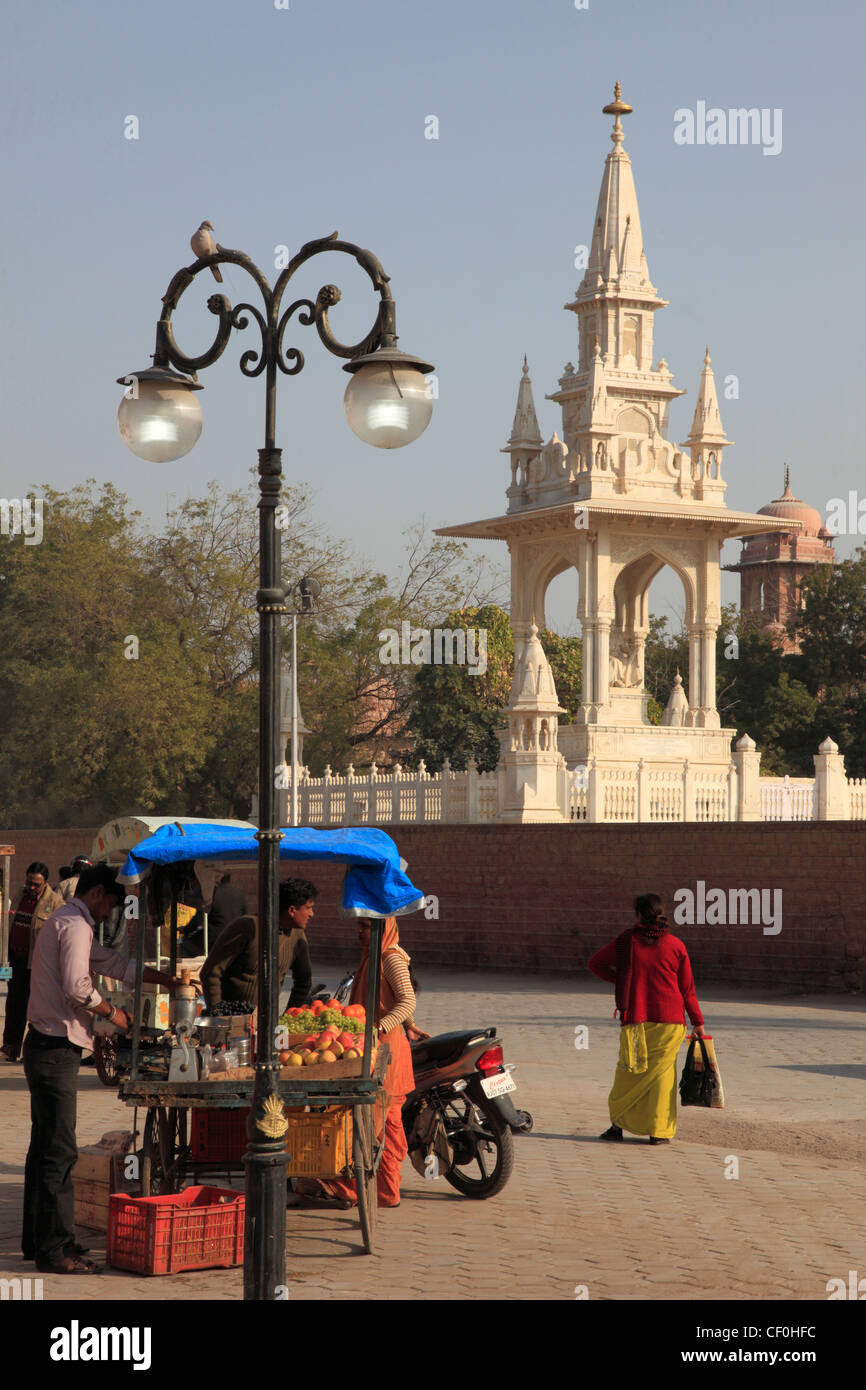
(231, 969)
(217, 897)
(33, 904)
(229, 903)
(68, 885)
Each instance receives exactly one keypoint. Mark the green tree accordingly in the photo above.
(358, 706)
(101, 707)
(456, 714)
(831, 630)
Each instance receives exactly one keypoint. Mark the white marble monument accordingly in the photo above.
(616, 500)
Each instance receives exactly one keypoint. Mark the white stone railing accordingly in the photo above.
(650, 790)
(398, 797)
(788, 798)
(857, 794)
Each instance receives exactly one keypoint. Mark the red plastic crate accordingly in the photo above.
(199, 1228)
(218, 1136)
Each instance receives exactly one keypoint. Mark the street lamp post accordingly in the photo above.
(388, 403)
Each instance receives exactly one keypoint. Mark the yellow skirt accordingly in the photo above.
(644, 1095)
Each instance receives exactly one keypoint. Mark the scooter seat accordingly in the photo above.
(446, 1047)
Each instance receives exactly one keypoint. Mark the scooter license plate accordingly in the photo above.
(498, 1085)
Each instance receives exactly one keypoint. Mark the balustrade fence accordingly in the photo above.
(653, 792)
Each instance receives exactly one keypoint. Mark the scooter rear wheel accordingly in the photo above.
(480, 1138)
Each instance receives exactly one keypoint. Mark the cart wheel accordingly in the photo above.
(148, 1149)
(363, 1159)
(105, 1057)
(164, 1152)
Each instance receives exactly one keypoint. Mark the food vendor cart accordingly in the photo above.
(112, 845)
(151, 1068)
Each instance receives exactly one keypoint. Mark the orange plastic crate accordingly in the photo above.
(218, 1136)
(200, 1228)
(319, 1143)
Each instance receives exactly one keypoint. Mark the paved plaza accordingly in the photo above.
(578, 1218)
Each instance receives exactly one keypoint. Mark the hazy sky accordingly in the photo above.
(281, 125)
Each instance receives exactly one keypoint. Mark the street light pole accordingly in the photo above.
(388, 403)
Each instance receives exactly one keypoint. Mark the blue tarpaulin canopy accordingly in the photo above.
(375, 885)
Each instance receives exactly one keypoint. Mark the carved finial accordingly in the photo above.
(597, 352)
(525, 366)
(787, 477)
(707, 358)
(617, 108)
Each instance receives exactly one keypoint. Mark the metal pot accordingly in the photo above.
(213, 1029)
(242, 1048)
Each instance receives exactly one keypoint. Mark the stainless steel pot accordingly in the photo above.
(213, 1029)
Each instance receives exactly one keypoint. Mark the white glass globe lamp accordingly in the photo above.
(159, 417)
(388, 402)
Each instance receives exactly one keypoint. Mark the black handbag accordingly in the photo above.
(698, 1081)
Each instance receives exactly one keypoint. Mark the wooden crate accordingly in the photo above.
(319, 1071)
(97, 1175)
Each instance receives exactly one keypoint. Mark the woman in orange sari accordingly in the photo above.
(396, 1008)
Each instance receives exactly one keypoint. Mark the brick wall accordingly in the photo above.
(545, 897)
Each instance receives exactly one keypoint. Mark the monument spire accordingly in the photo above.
(525, 429)
(706, 421)
(525, 439)
(707, 438)
(616, 254)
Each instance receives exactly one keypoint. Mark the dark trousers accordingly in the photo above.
(51, 1067)
(17, 999)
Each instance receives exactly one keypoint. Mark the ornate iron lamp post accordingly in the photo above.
(388, 403)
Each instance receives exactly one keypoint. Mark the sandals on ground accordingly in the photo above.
(310, 1192)
(614, 1133)
(70, 1264)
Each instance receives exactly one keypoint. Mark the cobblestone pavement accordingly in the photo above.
(618, 1221)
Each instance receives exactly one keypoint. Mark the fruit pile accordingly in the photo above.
(322, 1033)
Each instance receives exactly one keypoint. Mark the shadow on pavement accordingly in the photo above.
(850, 1071)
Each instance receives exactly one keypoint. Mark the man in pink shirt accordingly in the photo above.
(63, 1004)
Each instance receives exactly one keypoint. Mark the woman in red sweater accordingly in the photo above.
(654, 990)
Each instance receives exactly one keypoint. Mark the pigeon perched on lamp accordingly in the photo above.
(203, 244)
